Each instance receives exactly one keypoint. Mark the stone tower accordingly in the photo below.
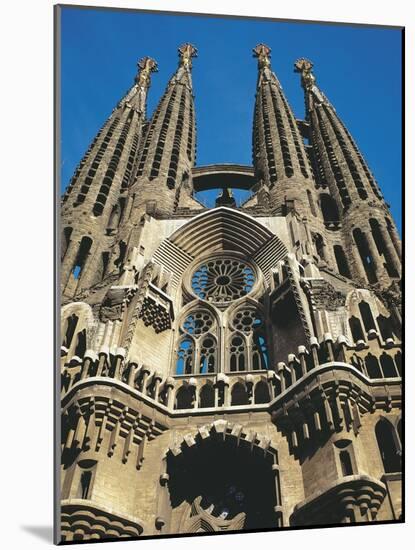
(235, 367)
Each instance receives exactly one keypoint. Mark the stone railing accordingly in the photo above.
(247, 389)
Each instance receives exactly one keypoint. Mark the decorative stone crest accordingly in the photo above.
(146, 66)
(304, 67)
(186, 52)
(263, 53)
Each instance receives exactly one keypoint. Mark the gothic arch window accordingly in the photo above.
(197, 351)
(388, 366)
(372, 366)
(247, 344)
(356, 328)
(208, 354)
(238, 353)
(386, 439)
(367, 317)
(385, 326)
(185, 356)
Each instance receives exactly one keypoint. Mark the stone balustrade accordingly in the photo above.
(243, 389)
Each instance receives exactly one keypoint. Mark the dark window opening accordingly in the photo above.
(184, 397)
(86, 478)
(372, 366)
(81, 344)
(81, 259)
(71, 323)
(239, 395)
(121, 257)
(385, 327)
(105, 264)
(367, 316)
(387, 446)
(207, 396)
(66, 240)
(356, 329)
(341, 260)
(366, 258)
(319, 246)
(388, 366)
(329, 209)
(346, 463)
(261, 394)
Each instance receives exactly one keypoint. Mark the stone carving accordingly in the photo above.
(323, 295)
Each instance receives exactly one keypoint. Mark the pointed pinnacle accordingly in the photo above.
(146, 66)
(304, 67)
(263, 53)
(186, 52)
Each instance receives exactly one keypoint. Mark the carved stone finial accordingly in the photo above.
(263, 53)
(225, 198)
(186, 52)
(146, 66)
(304, 67)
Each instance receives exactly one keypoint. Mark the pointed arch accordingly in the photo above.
(207, 396)
(220, 230)
(239, 394)
(261, 393)
(221, 474)
(386, 440)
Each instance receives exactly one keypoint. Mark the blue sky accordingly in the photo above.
(358, 68)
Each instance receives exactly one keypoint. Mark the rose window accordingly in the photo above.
(223, 280)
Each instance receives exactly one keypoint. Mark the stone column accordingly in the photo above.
(391, 252)
(357, 263)
(373, 250)
(394, 237)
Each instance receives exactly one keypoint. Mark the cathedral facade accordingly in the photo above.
(235, 367)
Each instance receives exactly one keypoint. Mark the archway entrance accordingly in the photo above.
(228, 482)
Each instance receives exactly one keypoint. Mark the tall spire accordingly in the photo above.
(337, 154)
(167, 154)
(91, 204)
(137, 95)
(372, 241)
(279, 155)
